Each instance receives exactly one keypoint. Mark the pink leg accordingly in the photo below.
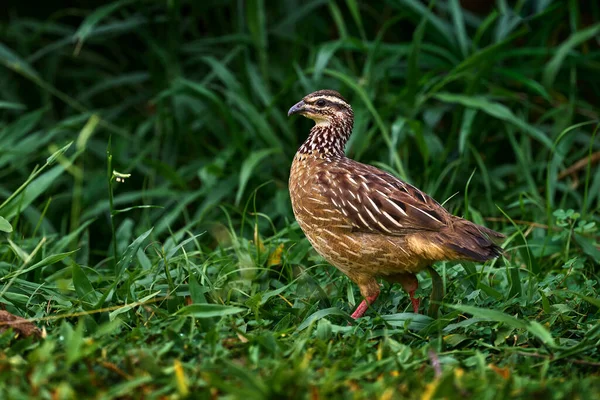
(415, 302)
(364, 305)
(410, 284)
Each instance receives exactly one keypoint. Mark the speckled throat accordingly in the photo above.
(328, 139)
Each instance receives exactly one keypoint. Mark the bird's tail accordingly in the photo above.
(474, 242)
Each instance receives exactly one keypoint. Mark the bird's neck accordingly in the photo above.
(328, 139)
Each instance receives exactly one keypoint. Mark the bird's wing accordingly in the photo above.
(372, 200)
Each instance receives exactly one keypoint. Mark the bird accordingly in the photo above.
(366, 222)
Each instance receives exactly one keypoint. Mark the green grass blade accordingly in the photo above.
(577, 38)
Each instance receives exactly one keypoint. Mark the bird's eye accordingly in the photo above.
(320, 102)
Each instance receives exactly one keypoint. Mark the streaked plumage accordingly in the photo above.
(365, 221)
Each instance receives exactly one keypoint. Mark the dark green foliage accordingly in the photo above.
(145, 220)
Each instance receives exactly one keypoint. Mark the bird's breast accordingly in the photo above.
(312, 208)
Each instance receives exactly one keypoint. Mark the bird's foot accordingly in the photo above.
(363, 306)
(360, 310)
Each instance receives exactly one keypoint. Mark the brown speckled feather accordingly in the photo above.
(375, 201)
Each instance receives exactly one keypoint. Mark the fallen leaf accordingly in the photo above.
(503, 372)
(21, 326)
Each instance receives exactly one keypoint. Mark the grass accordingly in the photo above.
(145, 222)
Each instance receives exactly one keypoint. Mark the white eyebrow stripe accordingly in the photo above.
(332, 99)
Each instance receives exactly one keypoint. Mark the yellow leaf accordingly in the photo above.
(430, 389)
(182, 385)
(275, 256)
(388, 394)
(503, 372)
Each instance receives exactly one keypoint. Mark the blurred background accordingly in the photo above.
(192, 97)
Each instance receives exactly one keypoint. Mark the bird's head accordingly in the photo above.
(325, 107)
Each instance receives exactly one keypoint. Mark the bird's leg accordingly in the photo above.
(362, 307)
(410, 284)
(369, 288)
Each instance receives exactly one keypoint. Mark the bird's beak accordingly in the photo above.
(297, 108)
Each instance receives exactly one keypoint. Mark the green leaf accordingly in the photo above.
(19, 252)
(196, 290)
(443, 27)
(459, 27)
(5, 226)
(593, 301)
(455, 339)
(318, 315)
(130, 252)
(83, 286)
(255, 17)
(208, 310)
(496, 110)
(324, 56)
(73, 341)
(465, 128)
(66, 240)
(269, 294)
(9, 105)
(124, 263)
(542, 333)
(86, 133)
(589, 246)
(127, 307)
(411, 321)
(51, 259)
(140, 207)
(12, 61)
(553, 67)
(247, 167)
(58, 153)
(90, 22)
(356, 16)
(34, 190)
(491, 315)
(338, 18)
(23, 126)
(414, 73)
(522, 79)
(534, 327)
